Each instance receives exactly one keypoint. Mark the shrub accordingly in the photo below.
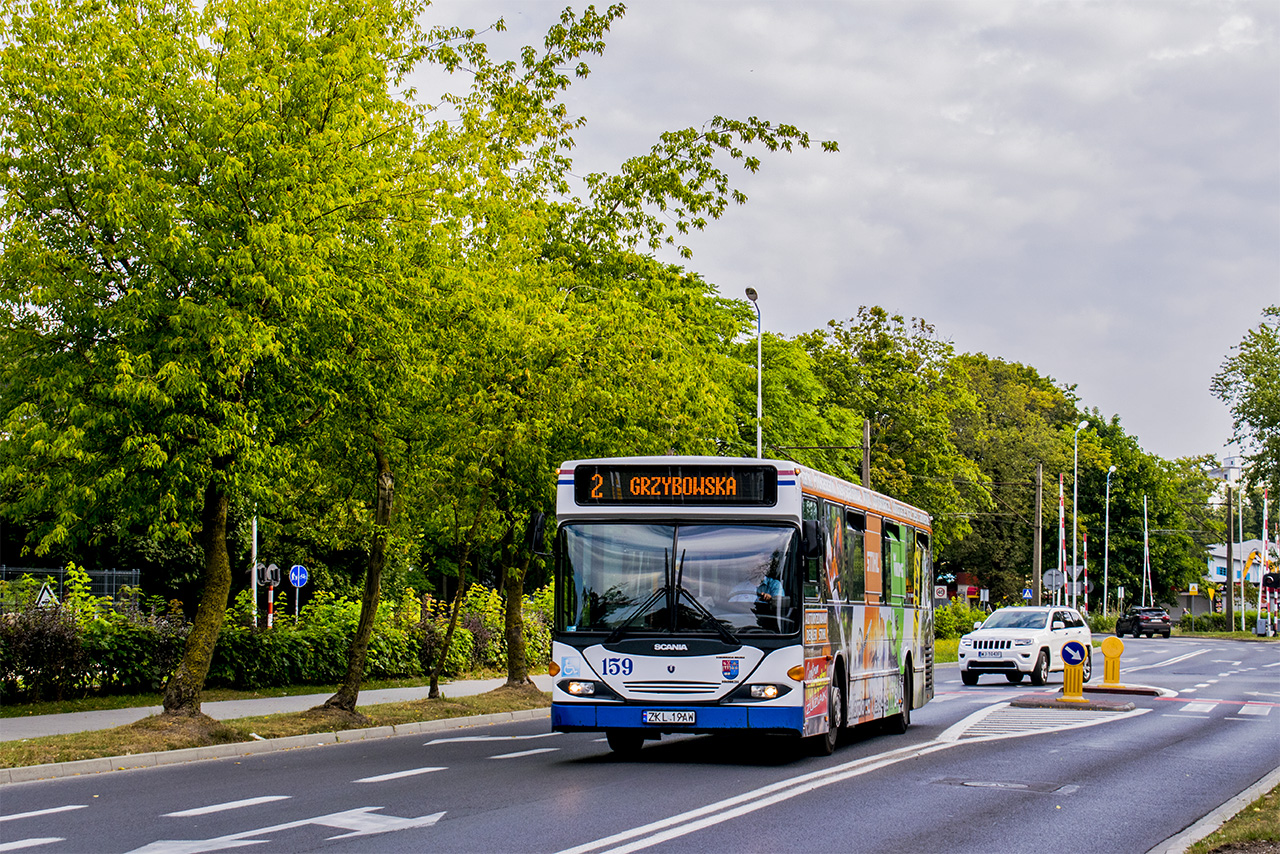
(41, 655)
(955, 619)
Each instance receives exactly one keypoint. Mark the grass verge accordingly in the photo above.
(1254, 828)
(160, 732)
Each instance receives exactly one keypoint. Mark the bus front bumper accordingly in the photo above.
(594, 717)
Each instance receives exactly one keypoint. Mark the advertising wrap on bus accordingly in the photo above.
(708, 594)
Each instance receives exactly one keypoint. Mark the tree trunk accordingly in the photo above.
(349, 690)
(182, 692)
(433, 692)
(517, 654)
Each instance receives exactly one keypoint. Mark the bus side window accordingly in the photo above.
(894, 561)
(855, 566)
(926, 566)
(833, 580)
(809, 512)
(912, 565)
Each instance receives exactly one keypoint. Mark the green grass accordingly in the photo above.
(161, 732)
(1257, 823)
(212, 695)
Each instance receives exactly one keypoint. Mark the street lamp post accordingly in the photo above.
(1106, 542)
(753, 296)
(1075, 492)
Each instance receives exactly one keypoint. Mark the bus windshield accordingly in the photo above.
(722, 579)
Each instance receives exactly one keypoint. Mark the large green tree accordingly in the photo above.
(185, 188)
(1249, 382)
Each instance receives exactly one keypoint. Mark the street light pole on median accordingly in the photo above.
(753, 296)
(1075, 491)
(1106, 542)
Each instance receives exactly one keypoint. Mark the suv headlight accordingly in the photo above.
(966, 641)
(1023, 642)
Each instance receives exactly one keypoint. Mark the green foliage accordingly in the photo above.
(1249, 382)
(41, 655)
(955, 619)
(1217, 622)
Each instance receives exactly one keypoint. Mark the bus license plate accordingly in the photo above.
(662, 716)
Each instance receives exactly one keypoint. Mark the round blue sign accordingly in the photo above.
(297, 575)
(1073, 652)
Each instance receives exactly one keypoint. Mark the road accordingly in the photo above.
(972, 775)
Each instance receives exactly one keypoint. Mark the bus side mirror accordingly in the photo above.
(811, 538)
(534, 534)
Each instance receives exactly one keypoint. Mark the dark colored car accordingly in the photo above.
(1144, 621)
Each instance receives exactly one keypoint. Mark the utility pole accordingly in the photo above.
(866, 452)
(1036, 556)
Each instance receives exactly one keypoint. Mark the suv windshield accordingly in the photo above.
(1013, 619)
(641, 577)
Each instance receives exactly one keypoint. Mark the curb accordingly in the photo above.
(1179, 843)
(56, 770)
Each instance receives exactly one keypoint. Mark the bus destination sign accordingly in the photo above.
(679, 485)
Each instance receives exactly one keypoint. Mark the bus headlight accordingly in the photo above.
(764, 692)
(580, 689)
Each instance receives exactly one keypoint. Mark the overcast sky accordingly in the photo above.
(1089, 188)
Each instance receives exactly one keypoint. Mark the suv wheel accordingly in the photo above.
(1015, 678)
(968, 677)
(1040, 674)
(1087, 670)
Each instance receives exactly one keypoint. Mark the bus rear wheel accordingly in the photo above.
(624, 742)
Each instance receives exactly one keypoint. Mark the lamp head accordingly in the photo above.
(1083, 424)
(1111, 470)
(752, 295)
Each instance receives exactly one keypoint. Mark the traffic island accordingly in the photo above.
(1040, 701)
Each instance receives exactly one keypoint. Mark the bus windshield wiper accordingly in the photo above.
(644, 606)
(707, 617)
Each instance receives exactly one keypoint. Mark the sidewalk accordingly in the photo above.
(13, 729)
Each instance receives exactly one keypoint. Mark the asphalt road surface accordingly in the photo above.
(971, 775)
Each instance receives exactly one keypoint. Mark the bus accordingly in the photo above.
(721, 595)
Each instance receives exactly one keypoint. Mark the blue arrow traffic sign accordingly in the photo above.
(297, 575)
(1073, 652)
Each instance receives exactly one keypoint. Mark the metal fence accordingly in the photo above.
(102, 582)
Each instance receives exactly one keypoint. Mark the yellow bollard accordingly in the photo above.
(1073, 674)
(1111, 650)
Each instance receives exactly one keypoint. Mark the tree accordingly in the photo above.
(183, 189)
(904, 378)
(1249, 382)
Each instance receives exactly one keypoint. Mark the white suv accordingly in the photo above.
(1020, 641)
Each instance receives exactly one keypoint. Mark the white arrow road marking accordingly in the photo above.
(35, 813)
(676, 826)
(525, 753)
(359, 821)
(229, 805)
(396, 775)
(462, 738)
(19, 844)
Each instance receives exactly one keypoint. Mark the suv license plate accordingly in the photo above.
(657, 716)
(990, 653)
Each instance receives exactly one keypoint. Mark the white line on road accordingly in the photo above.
(19, 844)
(1175, 660)
(694, 820)
(1255, 709)
(48, 811)
(1199, 707)
(461, 738)
(229, 805)
(525, 753)
(396, 775)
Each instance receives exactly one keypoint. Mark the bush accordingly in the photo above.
(41, 656)
(955, 619)
(1100, 625)
(1216, 622)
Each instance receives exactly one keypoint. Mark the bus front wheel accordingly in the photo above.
(901, 722)
(624, 742)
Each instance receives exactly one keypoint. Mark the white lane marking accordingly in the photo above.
(1196, 708)
(525, 753)
(359, 821)
(48, 811)
(1255, 709)
(694, 820)
(19, 844)
(1272, 664)
(1175, 660)
(396, 775)
(462, 738)
(229, 805)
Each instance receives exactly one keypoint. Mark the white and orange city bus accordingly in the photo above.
(714, 594)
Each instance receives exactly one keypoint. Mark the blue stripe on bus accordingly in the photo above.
(596, 717)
